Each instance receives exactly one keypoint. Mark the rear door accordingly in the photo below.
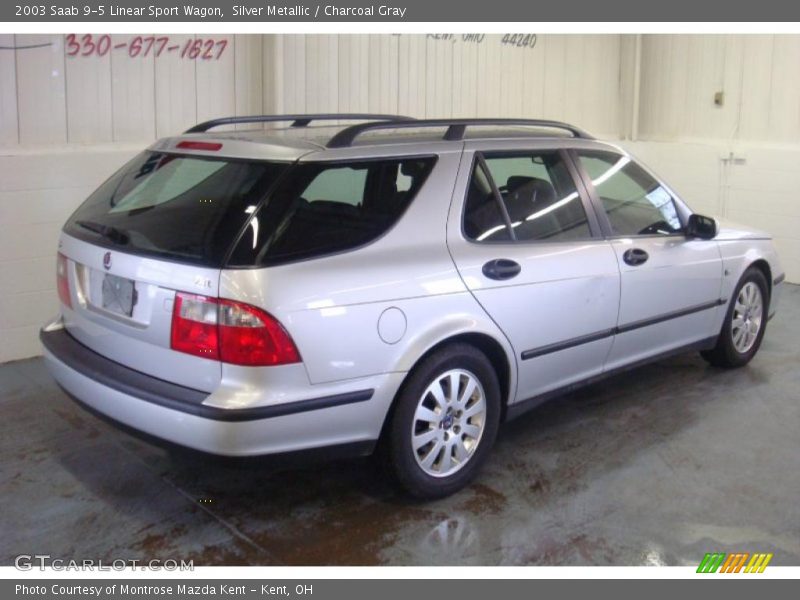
(164, 223)
(670, 284)
(529, 248)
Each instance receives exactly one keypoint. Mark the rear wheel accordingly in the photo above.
(745, 322)
(445, 422)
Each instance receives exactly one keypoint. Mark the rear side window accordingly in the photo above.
(538, 196)
(634, 201)
(179, 207)
(484, 219)
(321, 208)
(343, 184)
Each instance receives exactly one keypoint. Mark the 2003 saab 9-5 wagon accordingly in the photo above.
(395, 283)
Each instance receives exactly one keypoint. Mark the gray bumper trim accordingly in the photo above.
(78, 357)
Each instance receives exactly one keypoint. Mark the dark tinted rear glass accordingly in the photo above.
(185, 208)
(320, 208)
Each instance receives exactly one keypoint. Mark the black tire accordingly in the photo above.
(399, 452)
(725, 354)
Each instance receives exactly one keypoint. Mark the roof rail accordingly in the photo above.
(456, 128)
(297, 120)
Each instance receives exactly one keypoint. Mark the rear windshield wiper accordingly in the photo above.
(112, 234)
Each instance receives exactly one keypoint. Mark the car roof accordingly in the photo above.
(311, 142)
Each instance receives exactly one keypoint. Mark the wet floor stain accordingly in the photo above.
(628, 471)
(160, 543)
(484, 499)
(356, 539)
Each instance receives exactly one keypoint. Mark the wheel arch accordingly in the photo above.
(740, 255)
(762, 265)
(499, 353)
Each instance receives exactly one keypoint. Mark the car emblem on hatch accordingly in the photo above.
(107, 260)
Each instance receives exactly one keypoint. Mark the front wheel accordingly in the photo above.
(745, 323)
(445, 422)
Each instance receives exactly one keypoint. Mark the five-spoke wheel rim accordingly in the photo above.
(747, 317)
(448, 423)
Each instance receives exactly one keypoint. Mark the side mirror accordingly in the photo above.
(702, 227)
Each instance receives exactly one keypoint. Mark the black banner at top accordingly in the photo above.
(475, 11)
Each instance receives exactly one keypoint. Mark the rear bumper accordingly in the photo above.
(180, 415)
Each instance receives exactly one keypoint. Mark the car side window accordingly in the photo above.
(483, 217)
(634, 201)
(343, 184)
(320, 208)
(539, 197)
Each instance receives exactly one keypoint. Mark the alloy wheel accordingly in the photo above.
(747, 317)
(448, 422)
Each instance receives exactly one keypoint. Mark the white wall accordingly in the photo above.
(758, 75)
(740, 160)
(48, 97)
(38, 191)
(572, 78)
(761, 192)
(67, 122)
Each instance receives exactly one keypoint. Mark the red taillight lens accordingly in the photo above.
(249, 336)
(194, 326)
(62, 280)
(229, 331)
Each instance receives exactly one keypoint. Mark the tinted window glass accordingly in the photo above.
(321, 208)
(483, 219)
(178, 207)
(539, 196)
(344, 184)
(635, 202)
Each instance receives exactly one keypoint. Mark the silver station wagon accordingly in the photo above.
(395, 284)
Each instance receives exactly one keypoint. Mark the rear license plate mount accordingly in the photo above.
(118, 295)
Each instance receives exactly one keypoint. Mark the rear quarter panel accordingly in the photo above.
(335, 307)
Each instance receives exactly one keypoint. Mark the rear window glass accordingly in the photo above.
(321, 208)
(179, 207)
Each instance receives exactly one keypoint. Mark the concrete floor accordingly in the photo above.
(658, 466)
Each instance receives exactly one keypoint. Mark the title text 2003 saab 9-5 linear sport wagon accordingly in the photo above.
(408, 282)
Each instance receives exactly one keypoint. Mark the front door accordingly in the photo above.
(670, 284)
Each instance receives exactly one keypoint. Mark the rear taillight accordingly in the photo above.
(229, 331)
(62, 280)
(194, 326)
(249, 336)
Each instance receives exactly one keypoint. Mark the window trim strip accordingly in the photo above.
(498, 198)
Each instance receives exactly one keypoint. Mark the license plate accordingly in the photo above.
(119, 295)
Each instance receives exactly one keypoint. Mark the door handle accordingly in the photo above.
(501, 268)
(635, 257)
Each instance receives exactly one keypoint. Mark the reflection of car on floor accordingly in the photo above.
(398, 281)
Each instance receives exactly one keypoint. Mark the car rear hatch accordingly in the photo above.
(161, 226)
